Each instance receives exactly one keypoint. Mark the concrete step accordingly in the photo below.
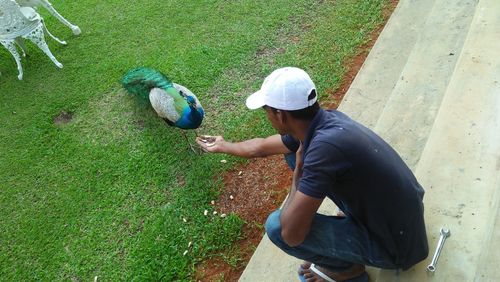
(410, 111)
(488, 269)
(460, 164)
(369, 91)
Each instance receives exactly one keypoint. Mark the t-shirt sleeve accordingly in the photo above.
(323, 163)
(290, 142)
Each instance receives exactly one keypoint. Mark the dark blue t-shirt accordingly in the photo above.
(367, 180)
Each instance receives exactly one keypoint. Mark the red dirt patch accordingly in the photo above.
(263, 184)
(256, 189)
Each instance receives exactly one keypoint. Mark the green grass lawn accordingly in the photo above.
(106, 194)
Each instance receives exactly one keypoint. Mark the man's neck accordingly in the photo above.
(300, 129)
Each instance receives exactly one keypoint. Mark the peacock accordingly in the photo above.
(174, 103)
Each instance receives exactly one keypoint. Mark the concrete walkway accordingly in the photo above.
(431, 88)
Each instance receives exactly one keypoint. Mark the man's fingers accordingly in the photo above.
(203, 144)
(207, 139)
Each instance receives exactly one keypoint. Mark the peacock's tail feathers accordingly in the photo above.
(140, 81)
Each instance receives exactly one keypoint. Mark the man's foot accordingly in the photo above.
(353, 272)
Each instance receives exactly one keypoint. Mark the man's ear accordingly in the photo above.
(282, 116)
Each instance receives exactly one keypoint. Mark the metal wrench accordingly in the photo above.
(445, 233)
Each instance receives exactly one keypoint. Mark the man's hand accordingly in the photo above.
(211, 144)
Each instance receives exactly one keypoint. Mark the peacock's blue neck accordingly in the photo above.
(191, 118)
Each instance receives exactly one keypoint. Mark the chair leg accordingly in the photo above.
(9, 44)
(76, 30)
(36, 36)
(53, 37)
(20, 43)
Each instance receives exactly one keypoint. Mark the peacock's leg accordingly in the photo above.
(200, 150)
(187, 140)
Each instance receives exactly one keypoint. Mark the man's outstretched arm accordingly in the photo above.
(252, 148)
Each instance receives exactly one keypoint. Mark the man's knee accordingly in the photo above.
(273, 226)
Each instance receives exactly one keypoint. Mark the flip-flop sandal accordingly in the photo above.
(320, 274)
(361, 278)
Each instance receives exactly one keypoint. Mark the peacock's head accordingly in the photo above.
(191, 101)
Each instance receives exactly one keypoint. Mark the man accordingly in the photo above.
(382, 222)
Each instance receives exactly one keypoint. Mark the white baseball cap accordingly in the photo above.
(284, 89)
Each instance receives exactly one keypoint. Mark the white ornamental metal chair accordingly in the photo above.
(46, 4)
(17, 24)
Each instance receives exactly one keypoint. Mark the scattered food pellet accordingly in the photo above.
(212, 202)
(223, 161)
(223, 215)
(205, 212)
(185, 252)
(215, 212)
(185, 220)
(190, 243)
(231, 197)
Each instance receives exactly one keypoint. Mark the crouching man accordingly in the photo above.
(382, 218)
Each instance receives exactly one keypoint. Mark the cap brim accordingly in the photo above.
(256, 100)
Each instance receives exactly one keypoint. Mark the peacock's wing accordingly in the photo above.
(140, 81)
(164, 105)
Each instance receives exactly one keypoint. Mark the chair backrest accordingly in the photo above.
(12, 21)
